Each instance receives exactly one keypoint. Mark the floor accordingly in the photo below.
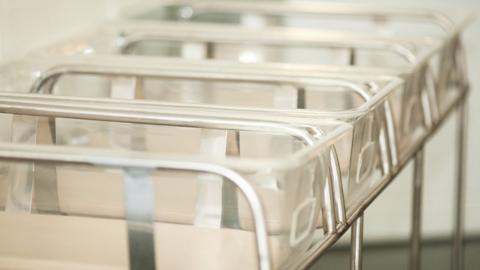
(394, 256)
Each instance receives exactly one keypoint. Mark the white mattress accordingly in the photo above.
(62, 242)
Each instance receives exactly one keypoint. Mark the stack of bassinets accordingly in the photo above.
(216, 135)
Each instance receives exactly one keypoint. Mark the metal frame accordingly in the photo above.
(65, 69)
(388, 146)
(134, 32)
(420, 79)
(356, 260)
(341, 229)
(137, 179)
(450, 59)
(415, 252)
(107, 110)
(415, 249)
(356, 229)
(318, 251)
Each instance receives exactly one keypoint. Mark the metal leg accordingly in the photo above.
(357, 242)
(416, 233)
(458, 233)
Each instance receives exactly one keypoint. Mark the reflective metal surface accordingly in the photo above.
(299, 129)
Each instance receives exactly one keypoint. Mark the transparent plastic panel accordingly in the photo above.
(307, 15)
(401, 51)
(89, 231)
(407, 59)
(292, 195)
(328, 97)
(151, 138)
(370, 159)
(444, 25)
(390, 130)
(250, 52)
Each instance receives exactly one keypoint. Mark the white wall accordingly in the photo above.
(26, 24)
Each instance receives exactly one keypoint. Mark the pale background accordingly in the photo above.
(27, 24)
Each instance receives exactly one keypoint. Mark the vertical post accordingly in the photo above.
(46, 197)
(337, 187)
(356, 257)
(21, 175)
(301, 98)
(209, 50)
(230, 215)
(458, 233)
(416, 231)
(352, 61)
(139, 204)
(25, 177)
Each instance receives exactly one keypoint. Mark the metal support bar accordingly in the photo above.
(139, 203)
(352, 60)
(137, 180)
(301, 98)
(337, 187)
(329, 201)
(21, 176)
(45, 198)
(458, 233)
(210, 50)
(357, 242)
(320, 249)
(416, 232)
(230, 216)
